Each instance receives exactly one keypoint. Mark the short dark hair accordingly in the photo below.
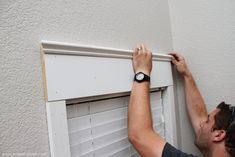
(224, 120)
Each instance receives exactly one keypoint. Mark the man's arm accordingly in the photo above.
(140, 127)
(195, 104)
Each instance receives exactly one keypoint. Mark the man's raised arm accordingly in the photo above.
(195, 104)
(140, 127)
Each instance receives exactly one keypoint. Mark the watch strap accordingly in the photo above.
(146, 78)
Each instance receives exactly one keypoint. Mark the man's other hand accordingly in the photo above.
(142, 60)
(180, 63)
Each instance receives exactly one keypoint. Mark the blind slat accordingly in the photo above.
(106, 105)
(80, 136)
(109, 149)
(78, 110)
(79, 123)
(109, 139)
(125, 152)
(104, 117)
(82, 148)
(109, 127)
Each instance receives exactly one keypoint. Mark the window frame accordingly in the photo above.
(56, 105)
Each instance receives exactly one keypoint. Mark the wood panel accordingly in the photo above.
(74, 71)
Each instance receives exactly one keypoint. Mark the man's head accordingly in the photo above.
(224, 120)
(219, 129)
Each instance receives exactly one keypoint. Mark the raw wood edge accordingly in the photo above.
(44, 73)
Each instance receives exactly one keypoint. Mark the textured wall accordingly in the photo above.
(118, 24)
(204, 32)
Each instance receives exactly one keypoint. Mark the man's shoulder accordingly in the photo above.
(170, 151)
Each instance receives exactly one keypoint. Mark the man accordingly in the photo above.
(215, 132)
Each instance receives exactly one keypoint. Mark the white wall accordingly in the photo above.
(204, 32)
(117, 24)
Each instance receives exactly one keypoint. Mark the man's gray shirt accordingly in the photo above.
(170, 151)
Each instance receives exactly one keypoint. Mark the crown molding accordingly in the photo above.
(62, 48)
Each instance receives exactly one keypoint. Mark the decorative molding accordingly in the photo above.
(52, 47)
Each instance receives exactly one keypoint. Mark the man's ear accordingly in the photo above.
(218, 135)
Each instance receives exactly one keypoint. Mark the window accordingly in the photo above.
(87, 91)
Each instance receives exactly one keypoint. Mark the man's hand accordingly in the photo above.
(142, 60)
(180, 64)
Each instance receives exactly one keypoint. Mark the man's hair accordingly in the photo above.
(224, 120)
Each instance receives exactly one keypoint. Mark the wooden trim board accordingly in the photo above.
(58, 129)
(170, 116)
(76, 71)
(42, 55)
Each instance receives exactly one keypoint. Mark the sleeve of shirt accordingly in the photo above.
(170, 151)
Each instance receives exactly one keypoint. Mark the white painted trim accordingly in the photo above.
(77, 71)
(58, 129)
(170, 116)
(52, 47)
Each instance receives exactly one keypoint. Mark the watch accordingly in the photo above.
(141, 77)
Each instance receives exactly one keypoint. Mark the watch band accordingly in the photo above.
(141, 77)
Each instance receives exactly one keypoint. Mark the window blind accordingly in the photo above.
(99, 128)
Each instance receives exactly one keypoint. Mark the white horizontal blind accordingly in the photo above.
(99, 128)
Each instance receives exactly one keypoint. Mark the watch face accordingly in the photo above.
(140, 76)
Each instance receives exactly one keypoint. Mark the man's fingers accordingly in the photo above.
(145, 50)
(174, 54)
(177, 56)
(143, 47)
(135, 51)
(174, 61)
